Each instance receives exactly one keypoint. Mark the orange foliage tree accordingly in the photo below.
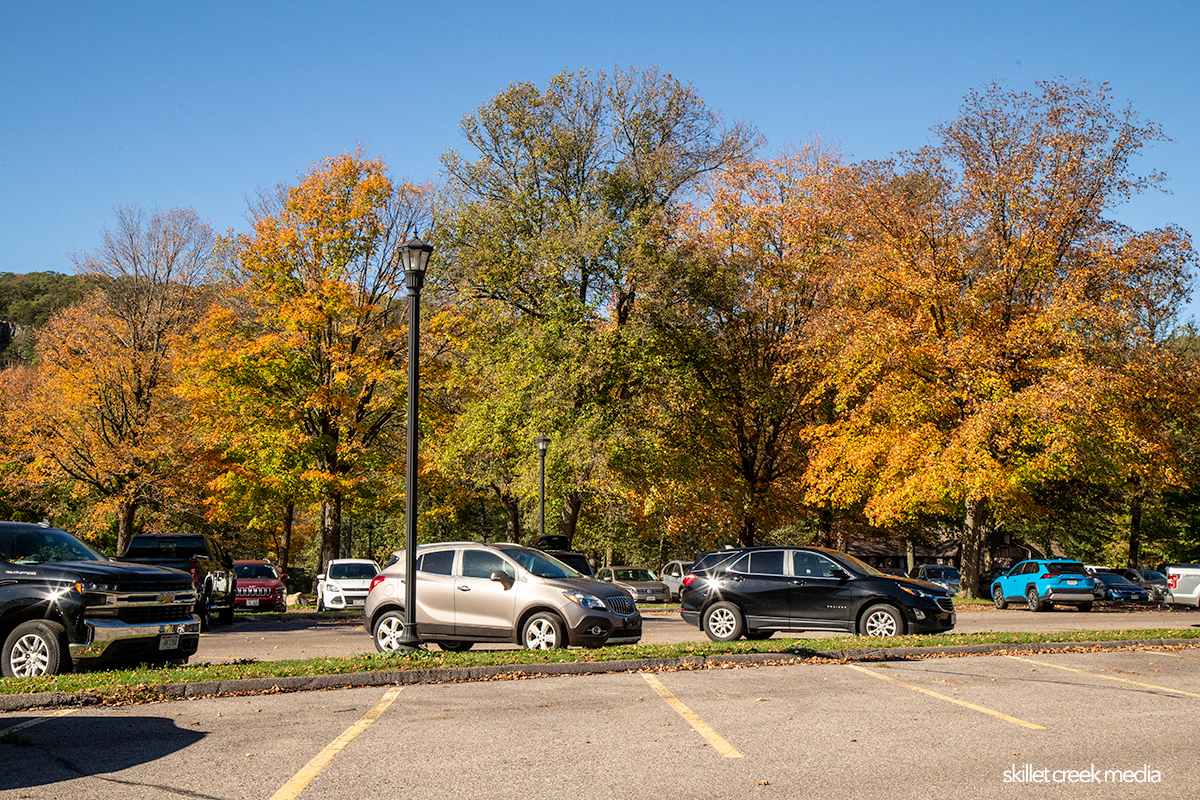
(299, 378)
(986, 318)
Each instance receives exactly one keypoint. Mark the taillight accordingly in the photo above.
(378, 579)
(194, 569)
(688, 579)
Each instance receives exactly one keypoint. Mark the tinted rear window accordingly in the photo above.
(167, 547)
(1067, 568)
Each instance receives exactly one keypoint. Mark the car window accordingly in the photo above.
(482, 563)
(255, 571)
(36, 545)
(438, 562)
(540, 564)
(1066, 568)
(166, 547)
(634, 575)
(352, 572)
(1025, 569)
(1153, 575)
(766, 562)
(812, 565)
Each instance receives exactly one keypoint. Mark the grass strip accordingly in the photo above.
(113, 684)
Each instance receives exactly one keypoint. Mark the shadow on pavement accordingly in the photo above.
(66, 748)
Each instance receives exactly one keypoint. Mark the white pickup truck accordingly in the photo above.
(1183, 584)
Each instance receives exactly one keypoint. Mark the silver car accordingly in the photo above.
(469, 592)
(640, 583)
(672, 575)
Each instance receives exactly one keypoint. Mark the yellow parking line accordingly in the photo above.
(698, 725)
(301, 779)
(1175, 655)
(954, 700)
(29, 723)
(1106, 677)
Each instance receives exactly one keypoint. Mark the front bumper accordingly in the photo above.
(346, 600)
(113, 639)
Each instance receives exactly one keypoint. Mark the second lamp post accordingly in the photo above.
(543, 444)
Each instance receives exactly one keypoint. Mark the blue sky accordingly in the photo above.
(200, 103)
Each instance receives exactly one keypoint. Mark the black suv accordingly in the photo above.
(755, 591)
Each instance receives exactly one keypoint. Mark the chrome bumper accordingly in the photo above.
(103, 633)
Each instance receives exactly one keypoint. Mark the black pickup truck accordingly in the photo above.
(62, 604)
(199, 555)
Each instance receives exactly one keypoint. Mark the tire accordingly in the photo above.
(723, 622)
(387, 631)
(1034, 602)
(543, 631)
(456, 647)
(998, 598)
(756, 636)
(204, 612)
(37, 647)
(1085, 606)
(882, 621)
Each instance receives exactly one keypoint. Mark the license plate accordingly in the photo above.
(251, 601)
(169, 641)
(1072, 583)
(357, 602)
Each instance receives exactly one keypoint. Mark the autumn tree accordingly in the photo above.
(101, 415)
(300, 375)
(560, 210)
(734, 326)
(988, 314)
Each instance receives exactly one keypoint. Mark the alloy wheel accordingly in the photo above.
(30, 656)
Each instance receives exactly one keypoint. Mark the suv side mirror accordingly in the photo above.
(321, 577)
(503, 578)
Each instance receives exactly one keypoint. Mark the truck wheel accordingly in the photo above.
(35, 648)
(204, 612)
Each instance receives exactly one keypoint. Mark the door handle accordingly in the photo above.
(464, 588)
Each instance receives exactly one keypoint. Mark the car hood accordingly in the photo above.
(598, 588)
(345, 583)
(932, 588)
(639, 584)
(121, 572)
(268, 582)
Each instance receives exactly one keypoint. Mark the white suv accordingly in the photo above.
(345, 583)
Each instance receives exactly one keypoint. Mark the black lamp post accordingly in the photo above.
(543, 444)
(415, 255)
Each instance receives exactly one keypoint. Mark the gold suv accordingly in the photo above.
(469, 592)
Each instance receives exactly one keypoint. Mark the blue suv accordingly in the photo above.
(1042, 582)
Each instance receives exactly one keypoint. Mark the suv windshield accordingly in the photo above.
(540, 564)
(352, 572)
(37, 545)
(255, 571)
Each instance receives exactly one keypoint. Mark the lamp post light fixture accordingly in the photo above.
(415, 256)
(543, 444)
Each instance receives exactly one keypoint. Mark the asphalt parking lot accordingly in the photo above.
(270, 637)
(1108, 724)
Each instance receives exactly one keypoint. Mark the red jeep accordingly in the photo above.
(259, 585)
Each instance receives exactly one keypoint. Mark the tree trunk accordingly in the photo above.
(1135, 529)
(824, 526)
(970, 546)
(126, 515)
(285, 545)
(513, 525)
(331, 533)
(910, 550)
(747, 531)
(572, 504)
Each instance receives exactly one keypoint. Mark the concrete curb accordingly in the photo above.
(306, 683)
